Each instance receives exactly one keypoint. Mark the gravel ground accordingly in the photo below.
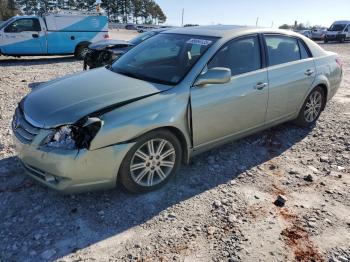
(218, 208)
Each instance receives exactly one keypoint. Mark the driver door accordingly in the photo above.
(24, 37)
(222, 111)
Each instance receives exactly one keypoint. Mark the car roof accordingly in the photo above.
(25, 16)
(227, 31)
(342, 22)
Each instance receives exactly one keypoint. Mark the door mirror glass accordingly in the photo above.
(217, 75)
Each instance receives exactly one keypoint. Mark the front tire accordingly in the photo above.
(312, 108)
(151, 162)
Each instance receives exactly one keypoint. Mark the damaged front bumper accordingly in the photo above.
(71, 171)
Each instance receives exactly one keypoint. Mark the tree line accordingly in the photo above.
(299, 26)
(122, 11)
(8, 9)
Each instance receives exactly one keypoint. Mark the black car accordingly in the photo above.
(104, 52)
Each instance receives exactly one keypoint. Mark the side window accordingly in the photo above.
(282, 49)
(23, 25)
(303, 52)
(241, 56)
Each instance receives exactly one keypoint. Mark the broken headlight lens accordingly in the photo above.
(74, 137)
(62, 138)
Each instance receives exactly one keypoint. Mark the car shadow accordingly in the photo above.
(78, 221)
(30, 61)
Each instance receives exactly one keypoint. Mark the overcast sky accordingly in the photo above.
(245, 12)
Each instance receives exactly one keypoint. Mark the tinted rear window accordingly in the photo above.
(282, 49)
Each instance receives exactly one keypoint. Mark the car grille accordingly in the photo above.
(22, 129)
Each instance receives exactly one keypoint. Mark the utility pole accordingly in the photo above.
(272, 24)
(182, 16)
(257, 22)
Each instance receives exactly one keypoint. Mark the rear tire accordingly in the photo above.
(151, 162)
(312, 108)
(81, 51)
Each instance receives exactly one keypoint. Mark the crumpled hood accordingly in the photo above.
(68, 99)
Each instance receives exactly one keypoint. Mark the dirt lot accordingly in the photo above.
(219, 208)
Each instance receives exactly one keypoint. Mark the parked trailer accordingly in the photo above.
(52, 34)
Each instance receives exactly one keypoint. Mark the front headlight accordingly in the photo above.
(62, 138)
(74, 136)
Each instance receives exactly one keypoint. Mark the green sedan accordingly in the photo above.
(175, 95)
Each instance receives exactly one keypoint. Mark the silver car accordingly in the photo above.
(175, 95)
(306, 33)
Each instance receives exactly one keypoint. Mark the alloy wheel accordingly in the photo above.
(313, 107)
(153, 162)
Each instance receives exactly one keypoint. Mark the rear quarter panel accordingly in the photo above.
(328, 73)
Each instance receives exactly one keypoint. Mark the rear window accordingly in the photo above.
(282, 49)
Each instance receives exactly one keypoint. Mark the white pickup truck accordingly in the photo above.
(53, 34)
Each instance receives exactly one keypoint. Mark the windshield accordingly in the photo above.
(337, 27)
(165, 58)
(7, 22)
(142, 37)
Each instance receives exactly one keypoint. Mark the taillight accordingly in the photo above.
(339, 62)
(106, 36)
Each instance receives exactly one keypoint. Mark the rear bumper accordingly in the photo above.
(72, 171)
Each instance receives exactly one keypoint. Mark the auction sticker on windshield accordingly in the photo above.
(195, 41)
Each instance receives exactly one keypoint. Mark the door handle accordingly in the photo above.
(309, 72)
(35, 35)
(260, 86)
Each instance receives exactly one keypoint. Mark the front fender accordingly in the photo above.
(124, 124)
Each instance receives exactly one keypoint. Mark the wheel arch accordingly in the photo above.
(325, 91)
(325, 87)
(81, 43)
(181, 137)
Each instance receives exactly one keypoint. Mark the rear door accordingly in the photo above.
(291, 73)
(24, 36)
(220, 111)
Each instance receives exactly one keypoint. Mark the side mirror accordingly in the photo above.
(216, 75)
